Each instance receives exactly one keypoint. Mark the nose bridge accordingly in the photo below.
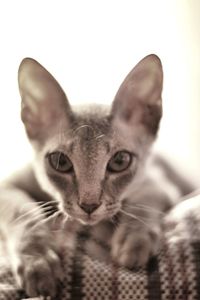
(90, 173)
(89, 189)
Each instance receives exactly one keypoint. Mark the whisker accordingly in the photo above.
(35, 218)
(112, 207)
(55, 216)
(37, 202)
(82, 126)
(134, 217)
(143, 207)
(147, 207)
(45, 220)
(32, 211)
(48, 203)
(50, 213)
(36, 209)
(49, 207)
(65, 220)
(99, 136)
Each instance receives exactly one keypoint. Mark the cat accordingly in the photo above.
(90, 171)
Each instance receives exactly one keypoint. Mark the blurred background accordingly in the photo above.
(90, 46)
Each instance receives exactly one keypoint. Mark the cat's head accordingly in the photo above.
(88, 158)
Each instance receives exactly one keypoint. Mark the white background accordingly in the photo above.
(90, 46)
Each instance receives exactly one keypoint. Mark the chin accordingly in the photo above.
(89, 220)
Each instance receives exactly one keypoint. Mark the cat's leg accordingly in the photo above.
(139, 228)
(29, 244)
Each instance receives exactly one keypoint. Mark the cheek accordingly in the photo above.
(65, 186)
(67, 189)
(120, 183)
(59, 182)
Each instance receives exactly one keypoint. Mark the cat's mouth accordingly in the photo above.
(102, 213)
(93, 219)
(88, 219)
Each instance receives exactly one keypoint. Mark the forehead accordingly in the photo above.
(88, 131)
(91, 132)
(96, 118)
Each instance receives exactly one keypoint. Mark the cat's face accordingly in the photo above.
(87, 159)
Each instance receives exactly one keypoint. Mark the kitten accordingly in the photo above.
(89, 169)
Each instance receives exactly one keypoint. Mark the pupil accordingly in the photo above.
(62, 160)
(119, 159)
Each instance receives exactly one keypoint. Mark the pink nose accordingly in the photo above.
(89, 208)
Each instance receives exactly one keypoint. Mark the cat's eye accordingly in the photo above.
(60, 162)
(120, 161)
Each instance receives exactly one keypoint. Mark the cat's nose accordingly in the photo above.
(89, 208)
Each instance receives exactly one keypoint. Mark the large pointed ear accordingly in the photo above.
(44, 103)
(138, 100)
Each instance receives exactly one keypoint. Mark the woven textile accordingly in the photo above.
(173, 275)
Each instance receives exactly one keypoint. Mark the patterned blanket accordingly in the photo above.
(173, 274)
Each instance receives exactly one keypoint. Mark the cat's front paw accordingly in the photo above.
(39, 273)
(132, 247)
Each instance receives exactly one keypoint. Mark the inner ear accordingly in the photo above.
(44, 103)
(138, 100)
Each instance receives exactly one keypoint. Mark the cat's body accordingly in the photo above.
(90, 165)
